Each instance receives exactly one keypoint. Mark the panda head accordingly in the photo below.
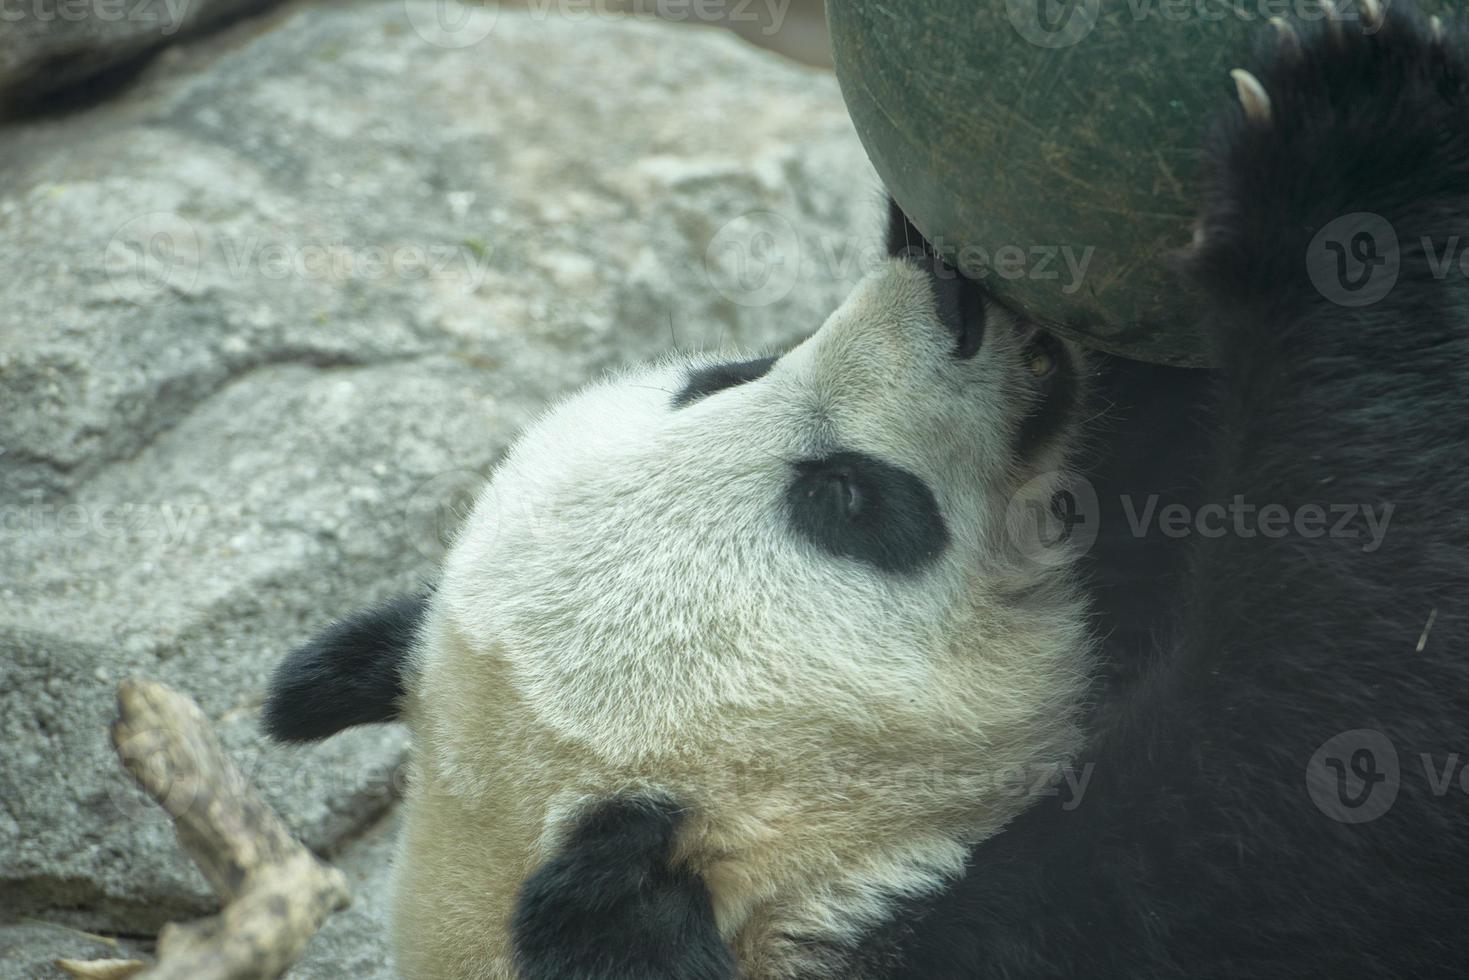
(712, 541)
(750, 639)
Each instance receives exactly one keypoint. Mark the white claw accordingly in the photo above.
(1372, 13)
(1252, 96)
(1331, 13)
(1290, 41)
(1333, 17)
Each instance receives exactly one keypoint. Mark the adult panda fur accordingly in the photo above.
(732, 656)
(1204, 845)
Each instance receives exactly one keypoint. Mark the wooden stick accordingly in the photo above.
(276, 894)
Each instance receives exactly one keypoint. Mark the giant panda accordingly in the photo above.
(743, 648)
(721, 670)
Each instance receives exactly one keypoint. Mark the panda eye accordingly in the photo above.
(850, 494)
(1054, 395)
(856, 506)
(840, 491)
(1043, 357)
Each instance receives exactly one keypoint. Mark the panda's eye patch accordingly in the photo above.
(852, 505)
(706, 381)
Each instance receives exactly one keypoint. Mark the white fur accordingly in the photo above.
(627, 608)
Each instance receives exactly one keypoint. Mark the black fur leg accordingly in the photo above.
(1133, 576)
(610, 906)
(350, 674)
(1271, 795)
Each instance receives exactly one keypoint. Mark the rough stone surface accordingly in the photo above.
(28, 949)
(270, 317)
(354, 942)
(47, 45)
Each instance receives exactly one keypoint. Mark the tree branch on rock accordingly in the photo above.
(276, 893)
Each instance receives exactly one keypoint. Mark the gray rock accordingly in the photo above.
(354, 942)
(270, 317)
(46, 45)
(29, 949)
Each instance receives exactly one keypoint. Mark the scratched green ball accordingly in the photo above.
(1053, 146)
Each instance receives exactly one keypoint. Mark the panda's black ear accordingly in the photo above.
(613, 905)
(350, 674)
(960, 301)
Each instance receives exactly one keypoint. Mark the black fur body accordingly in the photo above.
(1199, 849)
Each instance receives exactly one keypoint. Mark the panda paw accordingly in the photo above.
(1347, 148)
(612, 904)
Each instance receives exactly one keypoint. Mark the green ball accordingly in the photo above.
(1052, 147)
